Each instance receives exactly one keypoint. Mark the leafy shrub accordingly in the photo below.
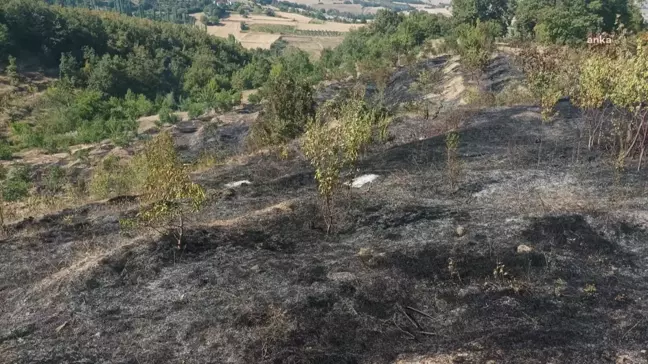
(289, 105)
(114, 177)
(168, 190)
(549, 75)
(333, 148)
(474, 44)
(70, 116)
(167, 116)
(12, 72)
(6, 151)
(16, 183)
(196, 109)
(254, 98)
(53, 180)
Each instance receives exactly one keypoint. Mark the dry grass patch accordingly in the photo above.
(312, 45)
(284, 207)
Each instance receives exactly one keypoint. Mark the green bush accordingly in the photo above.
(289, 106)
(16, 183)
(6, 152)
(167, 116)
(474, 44)
(254, 98)
(70, 116)
(196, 109)
(113, 178)
(53, 180)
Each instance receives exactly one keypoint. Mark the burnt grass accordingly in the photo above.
(393, 281)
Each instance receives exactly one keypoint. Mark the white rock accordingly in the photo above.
(362, 180)
(238, 183)
(460, 231)
(521, 249)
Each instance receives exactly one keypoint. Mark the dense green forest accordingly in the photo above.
(176, 11)
(115, 68)
(551, 21)
(386, 38)
(108, 60)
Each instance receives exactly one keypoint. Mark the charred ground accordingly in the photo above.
(551, 265)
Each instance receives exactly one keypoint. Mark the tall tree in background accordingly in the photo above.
(4, 40)
(470, 11)
(569, 21)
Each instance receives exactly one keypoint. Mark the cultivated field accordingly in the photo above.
(429, 9)
(300, 22)
(337, 5)
(312, 45)
(255, 38)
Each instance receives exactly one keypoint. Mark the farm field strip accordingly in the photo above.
(296, 29)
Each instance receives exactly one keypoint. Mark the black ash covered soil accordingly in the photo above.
(551, 265)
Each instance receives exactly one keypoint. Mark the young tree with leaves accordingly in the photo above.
(288, 107)
(169, 193)
(333, 148)
(12, 72)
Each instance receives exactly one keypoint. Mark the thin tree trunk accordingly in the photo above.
(329, 215)
(180, 231)
(634, 141)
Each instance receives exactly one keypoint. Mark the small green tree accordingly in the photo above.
(324, 148)
(548, 76)
(332, 148)
(12, 72)
(427, 82)
(288, 107)
(474, 44)
(169, 193)
(453, 161)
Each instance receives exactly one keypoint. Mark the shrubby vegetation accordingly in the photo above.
(288, 107)
(474, 43)
(335, 139)
(169, 193)
(389, 37)
(550, 21)
(610, 85)
(176, 11)
(69, 116)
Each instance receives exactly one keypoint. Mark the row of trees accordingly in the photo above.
(551, 21)
(383, 42)
(322, 14)
(177, 11)
(610, 85)
(106, 61)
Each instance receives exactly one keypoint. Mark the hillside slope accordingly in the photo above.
(538, 256)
